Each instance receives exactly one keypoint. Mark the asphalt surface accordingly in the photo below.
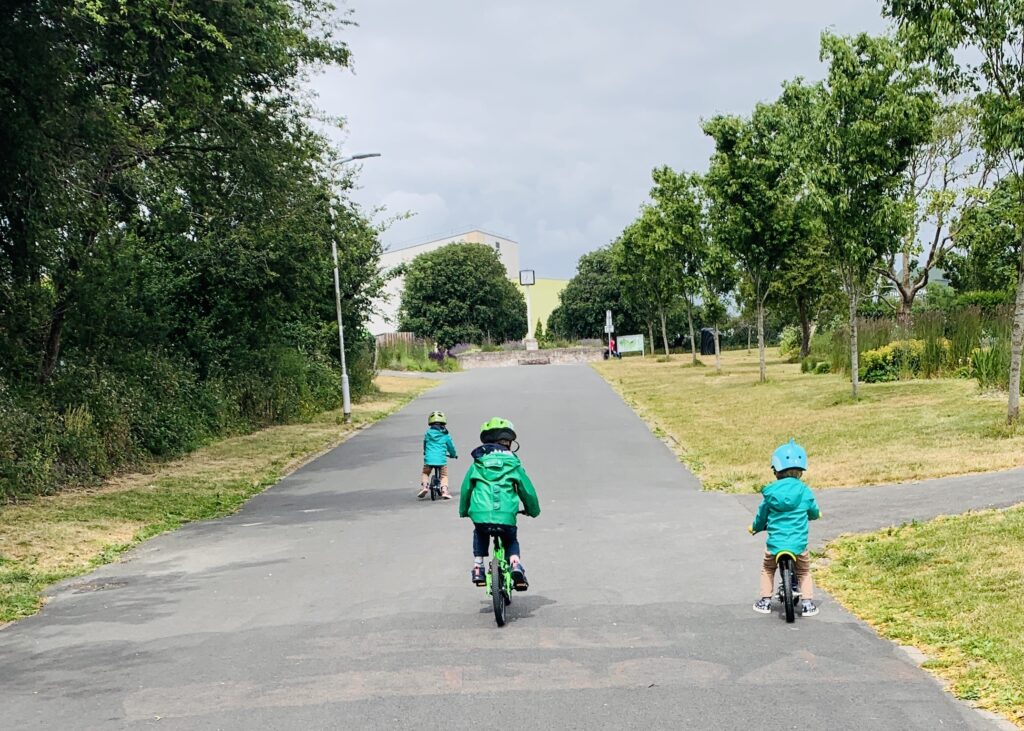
(337, 601)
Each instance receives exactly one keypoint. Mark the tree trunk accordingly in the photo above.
(854, 360)
(904, 317)
(51, 350)
(650, 331)
(1016, 346)
(718, 351)
(760, 340)
(664, 333)
(693, 343)
(805, 328)
(748, 338)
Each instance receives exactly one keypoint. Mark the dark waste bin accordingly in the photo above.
(707, 341)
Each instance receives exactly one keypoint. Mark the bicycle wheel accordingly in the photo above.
(435, 485)
(786, 567)
(498, 591)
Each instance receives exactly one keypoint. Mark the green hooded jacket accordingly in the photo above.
(493, 487)
(786, 507)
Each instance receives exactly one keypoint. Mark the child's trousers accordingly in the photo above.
(803, 575)
(428, 469)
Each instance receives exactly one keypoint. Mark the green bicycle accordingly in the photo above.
(499, 578)
(499, 575)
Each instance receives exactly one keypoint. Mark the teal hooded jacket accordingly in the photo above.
(437, 446)
(494, 486)
(786, 507)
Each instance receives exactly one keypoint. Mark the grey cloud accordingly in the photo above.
(542, 120)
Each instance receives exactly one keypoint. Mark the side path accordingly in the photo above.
(336, 600)
(856, 510)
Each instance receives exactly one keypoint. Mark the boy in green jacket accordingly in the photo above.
(786, 507)
(491, 492)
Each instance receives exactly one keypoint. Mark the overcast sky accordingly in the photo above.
(540, 120)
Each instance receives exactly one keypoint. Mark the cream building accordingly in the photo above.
(385, 317)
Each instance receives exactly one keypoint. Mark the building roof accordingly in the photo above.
(452, 236)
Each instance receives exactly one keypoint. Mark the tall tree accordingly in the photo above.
(979, 45)
(873, 111)
(752, 183)
(946, 179)
(678, 202)
(594, 290)
(647, 260)
(99, 97)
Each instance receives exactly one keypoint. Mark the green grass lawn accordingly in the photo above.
(724, 427)
(954, 587)
(48, 539)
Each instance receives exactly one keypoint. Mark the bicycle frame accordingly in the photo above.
(501, 596)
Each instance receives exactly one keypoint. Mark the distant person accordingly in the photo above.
(437, 448)
(491, 493)
(612, 349)
(786, 507)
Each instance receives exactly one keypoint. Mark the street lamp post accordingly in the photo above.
(346, 398)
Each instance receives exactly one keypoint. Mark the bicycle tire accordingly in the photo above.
(498, 592)
(435, 486)
(787, 589)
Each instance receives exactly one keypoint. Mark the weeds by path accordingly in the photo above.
(48, 539)
(725, 427)
(953, 587)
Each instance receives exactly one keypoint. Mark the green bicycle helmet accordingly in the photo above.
(496, 430)
(437, 417)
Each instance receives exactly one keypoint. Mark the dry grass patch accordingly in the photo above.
(953, 587)
(50, 538)
(725, 427)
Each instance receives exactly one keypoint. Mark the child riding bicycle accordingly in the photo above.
(491, 492)
(437, 448)
(785, 509)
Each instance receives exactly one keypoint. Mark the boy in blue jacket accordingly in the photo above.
(437, 448)
(786, 507)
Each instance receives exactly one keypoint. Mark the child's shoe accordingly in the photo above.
(763, 605)
(424, 491)
(445, 495)
(808, 608)
(478, 576)
(519, 582)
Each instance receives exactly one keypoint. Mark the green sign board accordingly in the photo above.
(630, 343)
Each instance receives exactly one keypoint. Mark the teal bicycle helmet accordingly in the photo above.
(789, 456)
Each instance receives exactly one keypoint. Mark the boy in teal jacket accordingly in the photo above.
(437, 448)
(786, 507)
(491, 492)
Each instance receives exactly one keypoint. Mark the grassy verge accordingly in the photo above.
(953, 587)
(51, 538)
(724, 427)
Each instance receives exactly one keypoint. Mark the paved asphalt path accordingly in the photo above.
(337, 601)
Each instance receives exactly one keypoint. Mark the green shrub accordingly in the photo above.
(822, 368)
(903, 359)
(790, 340)
(991, 366)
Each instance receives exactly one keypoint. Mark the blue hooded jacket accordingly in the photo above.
(437, 446)
(786, 507)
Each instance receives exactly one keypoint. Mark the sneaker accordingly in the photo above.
(479, 578)
(763, 605)
(519, 582)
(445, 495)
(424, 491)
(808, 608)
